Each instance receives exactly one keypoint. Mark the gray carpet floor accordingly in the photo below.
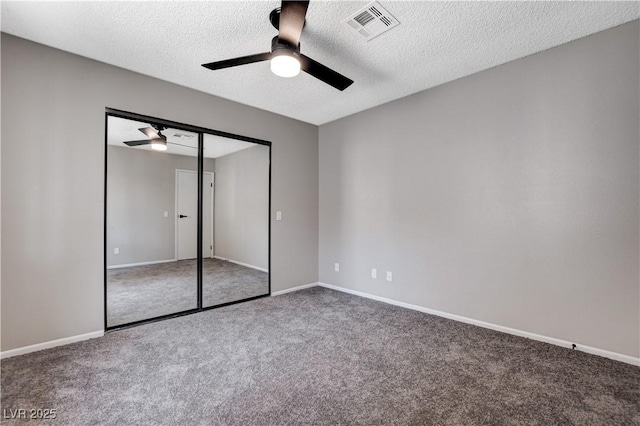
(143, 292)
(320, 357)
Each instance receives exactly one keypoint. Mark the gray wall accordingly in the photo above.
(140, 188)
(53, 178)
(510, 196)
(241, 206)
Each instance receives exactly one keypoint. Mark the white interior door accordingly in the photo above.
(187, 214)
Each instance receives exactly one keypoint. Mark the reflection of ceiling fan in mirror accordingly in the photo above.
(156, 139)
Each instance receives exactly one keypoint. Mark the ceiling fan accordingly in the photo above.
(157, 140)
(286, 59)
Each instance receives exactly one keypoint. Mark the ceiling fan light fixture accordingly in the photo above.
(285, 57)
(285, 63)
(159, 144)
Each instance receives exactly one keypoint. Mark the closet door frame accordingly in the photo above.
(111, 112)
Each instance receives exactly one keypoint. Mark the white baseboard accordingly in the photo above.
(558, 342)
(50, 344)
(292, 289)
(241, 263)
(129, 265)
(552, 340)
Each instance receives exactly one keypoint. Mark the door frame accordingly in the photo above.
(175, 214)
(112, 112)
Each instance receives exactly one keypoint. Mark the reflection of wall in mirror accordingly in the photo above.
(242, 207)
(140, 188)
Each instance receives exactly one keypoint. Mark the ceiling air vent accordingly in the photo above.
(371, 21)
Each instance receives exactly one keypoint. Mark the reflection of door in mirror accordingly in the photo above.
(187, 214)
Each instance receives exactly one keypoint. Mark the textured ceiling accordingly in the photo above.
(436, 42)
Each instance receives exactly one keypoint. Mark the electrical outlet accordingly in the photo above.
(374, 273)
(278, 215)
(336, 267)
(116, 250)
(389, 276)
(166, 214)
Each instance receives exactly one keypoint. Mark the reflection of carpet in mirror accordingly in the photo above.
(148, 291)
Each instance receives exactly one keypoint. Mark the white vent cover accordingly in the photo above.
(371, 21)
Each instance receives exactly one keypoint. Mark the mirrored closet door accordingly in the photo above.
(152, 208)
(186, 219)
(237, 267)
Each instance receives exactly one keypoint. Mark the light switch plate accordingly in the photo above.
(336, 267)
(278, 215)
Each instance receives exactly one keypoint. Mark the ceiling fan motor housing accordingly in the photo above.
(280, 45)
(285, 58)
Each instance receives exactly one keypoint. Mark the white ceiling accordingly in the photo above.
(436, 42)
(180, 142)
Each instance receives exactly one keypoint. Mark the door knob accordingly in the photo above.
(181, 216)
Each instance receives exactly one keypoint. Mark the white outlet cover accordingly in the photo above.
(116, 250)
(336, 267)
(278, 215)
(389, 276)
(374, 273)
